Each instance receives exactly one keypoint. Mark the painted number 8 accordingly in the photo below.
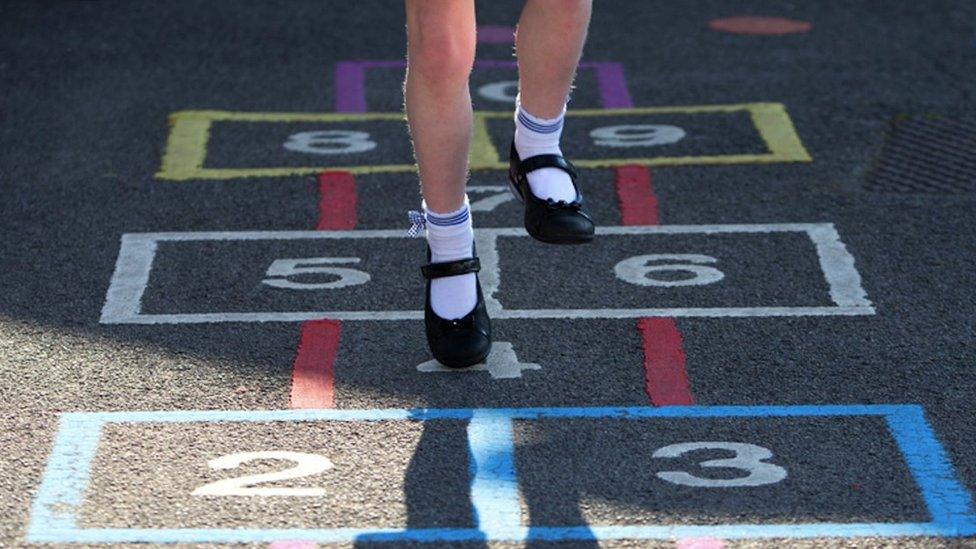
(637, 270)
(748, 457)
(327, 142)
(637, 135)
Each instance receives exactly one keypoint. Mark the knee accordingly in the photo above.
(441, 53)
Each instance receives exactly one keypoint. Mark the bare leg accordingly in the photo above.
(440, 54)
(549, 43)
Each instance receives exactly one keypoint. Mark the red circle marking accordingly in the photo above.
(759, 25)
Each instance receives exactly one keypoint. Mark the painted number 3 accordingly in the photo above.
(748, 457)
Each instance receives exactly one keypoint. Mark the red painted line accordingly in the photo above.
(665, 374)
(635, 193)
(665, 379)
(770, 26)
(313, 370)
(337, 202)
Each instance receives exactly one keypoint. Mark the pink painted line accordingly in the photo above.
(495, 34)
(337, 202)
(700, 543)
(350, 81)
(292, 545)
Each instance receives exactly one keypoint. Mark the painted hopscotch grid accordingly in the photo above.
(493, 478)
(186, 147)
(135, 262)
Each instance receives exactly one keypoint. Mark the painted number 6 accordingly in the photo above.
(290, 267)
(636, 270)
(327, 142)
(748, 457)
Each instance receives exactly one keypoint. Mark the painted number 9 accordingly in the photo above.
(637, 270)
(748, 457)
(327, 142)
(637, 135)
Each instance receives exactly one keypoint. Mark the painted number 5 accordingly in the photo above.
(330, 142)
(748, 457)
(638, 270)
(282, 268)
(305, 465)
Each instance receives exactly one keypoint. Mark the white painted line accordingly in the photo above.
(504, 314)
(134, 266)
(502, 363)
(838, 267)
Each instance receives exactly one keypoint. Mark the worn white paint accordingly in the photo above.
(502, 363)
(502, 92)
(748, 457)
(305, 465)
(498, 195)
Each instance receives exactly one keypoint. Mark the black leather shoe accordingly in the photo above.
(551, 221)
(463, 342)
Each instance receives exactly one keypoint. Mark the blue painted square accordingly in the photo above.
(494, 483)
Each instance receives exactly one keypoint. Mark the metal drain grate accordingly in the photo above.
(926, 155)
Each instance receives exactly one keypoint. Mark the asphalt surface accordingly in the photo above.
(86, 92)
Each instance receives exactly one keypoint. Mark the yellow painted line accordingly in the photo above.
(186, 147)
(777, 131)
(483, 154)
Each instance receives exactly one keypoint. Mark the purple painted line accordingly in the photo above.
(612, 84)
(494, 34)
(350, 81)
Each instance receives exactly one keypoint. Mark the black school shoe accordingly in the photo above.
(550, 221)
(463, 342)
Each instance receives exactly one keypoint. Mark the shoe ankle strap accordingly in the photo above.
(451, 268)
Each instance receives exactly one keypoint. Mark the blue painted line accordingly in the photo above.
(62, 488)
(521, 534)
(947, 500)
(423, 414)
(494, 486)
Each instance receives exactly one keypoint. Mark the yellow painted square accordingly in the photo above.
(186, 147)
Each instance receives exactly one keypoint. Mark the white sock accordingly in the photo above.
(450, 238)
(535, 136)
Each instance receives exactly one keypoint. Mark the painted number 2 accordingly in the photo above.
(305, 465)
(748, 457)
(327, 142)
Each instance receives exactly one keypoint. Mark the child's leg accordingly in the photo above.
(549, 43)
(440, 54)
